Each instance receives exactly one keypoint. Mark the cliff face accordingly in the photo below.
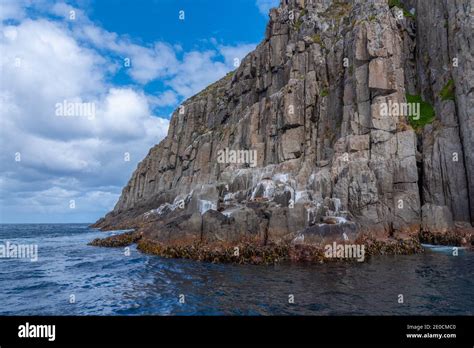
(310, 102)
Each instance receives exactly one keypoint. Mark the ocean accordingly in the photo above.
(71, 278)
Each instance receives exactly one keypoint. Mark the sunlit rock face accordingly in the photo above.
(315, 156)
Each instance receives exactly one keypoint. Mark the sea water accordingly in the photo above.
(71, 278)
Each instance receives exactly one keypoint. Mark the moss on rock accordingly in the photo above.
(397, 3)
(427, 113)
(447, 92)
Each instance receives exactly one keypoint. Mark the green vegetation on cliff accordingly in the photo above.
(447, 93)
(427, 114)
(397, 3)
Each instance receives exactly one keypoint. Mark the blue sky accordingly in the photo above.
(72, 169)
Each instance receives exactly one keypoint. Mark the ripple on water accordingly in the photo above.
(106, 282)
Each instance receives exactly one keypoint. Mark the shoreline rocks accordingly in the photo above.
(461, 235)
(250, 251)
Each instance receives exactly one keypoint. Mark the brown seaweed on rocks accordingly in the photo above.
(250, 251)
(119, 240)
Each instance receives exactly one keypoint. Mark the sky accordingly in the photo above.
(87, 87)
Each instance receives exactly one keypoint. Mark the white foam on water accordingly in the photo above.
(446, 249)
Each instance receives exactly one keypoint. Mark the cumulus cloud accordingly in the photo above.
(146, 63)
(11, 9)
(165, 98)
(49, 159)
(197, 71)
(186, 77)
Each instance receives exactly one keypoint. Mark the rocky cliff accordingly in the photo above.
(331, 164)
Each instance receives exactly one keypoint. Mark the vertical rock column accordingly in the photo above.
(444, 30)
(382, 185)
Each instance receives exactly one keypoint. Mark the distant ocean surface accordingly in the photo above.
(106, 282)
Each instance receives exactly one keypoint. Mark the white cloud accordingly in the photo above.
(68, 12)
(197, 70)
(231, 53)
(11, 9)
(264, 6)
(65, 157)
(150, 64)
(123, 114)
(147, 63)
(167, 98)
(47, 61)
